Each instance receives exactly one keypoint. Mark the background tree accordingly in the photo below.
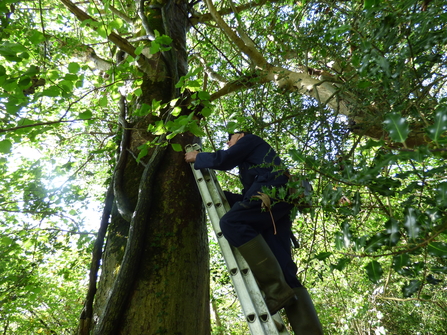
(97, 95)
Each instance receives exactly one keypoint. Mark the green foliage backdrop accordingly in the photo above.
(351, 93)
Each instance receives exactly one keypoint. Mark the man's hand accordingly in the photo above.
(190, 157)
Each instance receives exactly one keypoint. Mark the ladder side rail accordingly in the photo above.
(239, 284)
(249, 279)
(242, 264)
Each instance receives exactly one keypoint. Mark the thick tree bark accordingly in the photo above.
(172, 277)
(167, 290)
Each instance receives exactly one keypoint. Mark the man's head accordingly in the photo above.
(234, 137)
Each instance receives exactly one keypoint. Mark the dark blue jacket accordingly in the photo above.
(256, 160)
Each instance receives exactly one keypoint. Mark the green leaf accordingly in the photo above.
(341, 264)
(297, 156)
(330, 195)
(10, 50)
(203, 95)
(6, 240)
(374, 271)
(231, 127)
(432, 280)
(195, 129)
(36, 37)
(384, 185)
(206, 111)
(347, 235)
(439, 269)
(139, 49)
(24, 82)
(158, 128)
(400, 261)
(411, 223)
(440, 124)
(164, 39)
(359, 243)
(412, 287)
(392, 228)
(31, 71)
(362, 84)
(52, 91)
(155, 47)
(397, 127)
(376, 242)
(368, 4)
(145, 109)
(138, 92)
(176, 111)
(102, 31)
(177, 147)
(355, 60)
(103, 101)
(323, 255)
(117, 23)
(156, 106)
(70, 77)
(438, 249)
(144, 149)
(339, 245)
(441, 196)
(193, 85)
(5, 146)
(385, 65)
(74, 67)
(342, 29)
(85, 115)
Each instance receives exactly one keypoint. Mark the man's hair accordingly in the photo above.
(238, 132)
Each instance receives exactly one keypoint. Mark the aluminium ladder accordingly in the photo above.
(255, 310)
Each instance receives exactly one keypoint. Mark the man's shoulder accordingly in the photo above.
(252, 138)
(255, 146)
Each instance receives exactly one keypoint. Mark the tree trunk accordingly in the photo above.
(170, 294)
(169, 285)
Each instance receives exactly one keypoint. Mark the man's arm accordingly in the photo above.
(225, 159)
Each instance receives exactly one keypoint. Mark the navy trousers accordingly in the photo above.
(245, 220)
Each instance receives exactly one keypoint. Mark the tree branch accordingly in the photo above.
(139, 4)
(255, 56)
(203, 18)
(405, 249)
(116, 39)
(38, 124)
(242, 82)
(121, 15)
(87, 312)
(121, 201)
(211, 73)
(288, 80)
(100, 63)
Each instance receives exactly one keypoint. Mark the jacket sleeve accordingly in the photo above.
(226, 159)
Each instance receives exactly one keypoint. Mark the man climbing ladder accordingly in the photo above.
(262, 236)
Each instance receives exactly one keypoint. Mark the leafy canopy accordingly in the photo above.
(350, 93)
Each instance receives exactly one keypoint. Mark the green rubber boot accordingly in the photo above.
(302, 314)
(268, 273)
